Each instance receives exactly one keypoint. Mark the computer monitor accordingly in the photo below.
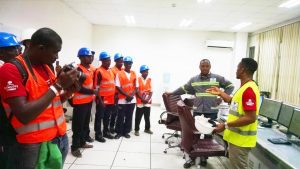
(270, 109)
(294, 127)
(285, 115)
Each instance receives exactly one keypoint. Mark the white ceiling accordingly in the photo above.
(219, 15)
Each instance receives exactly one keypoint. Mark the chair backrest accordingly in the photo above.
(170, 102)
(187, 123)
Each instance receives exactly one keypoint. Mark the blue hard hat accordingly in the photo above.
(117, 56)
(143, 68)
(103, 55)
(84, 52)
(8, 40)
(127, 59)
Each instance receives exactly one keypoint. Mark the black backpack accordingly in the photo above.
(7, 132)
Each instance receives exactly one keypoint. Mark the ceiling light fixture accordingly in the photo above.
(186, 22)
(204, 1)
(130, 19)
(241, 25)
(289, 4)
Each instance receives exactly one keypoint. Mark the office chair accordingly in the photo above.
(172, 120)
(191, 143)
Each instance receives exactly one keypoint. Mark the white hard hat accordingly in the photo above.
(27, 33)
(202, 125)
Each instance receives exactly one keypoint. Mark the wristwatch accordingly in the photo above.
(226, 125)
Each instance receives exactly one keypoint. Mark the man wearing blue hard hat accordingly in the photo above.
(105, 102)
(126, 84)
(8, 51)
(82, 103)
(118, 58)
(143, 101)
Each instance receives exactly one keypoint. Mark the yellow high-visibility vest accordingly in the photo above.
(244, 136)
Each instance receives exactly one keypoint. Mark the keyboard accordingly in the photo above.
(279, 141)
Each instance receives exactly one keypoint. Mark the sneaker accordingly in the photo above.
(89, 139)
(148, 131)
(100, 139)
(127, 135)
(87, 146)
(76, 153)
(108, 135)
(112, 130)
(117, 136)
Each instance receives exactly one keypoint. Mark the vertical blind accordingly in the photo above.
(278, 57)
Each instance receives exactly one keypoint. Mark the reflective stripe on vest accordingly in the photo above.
(40, 126)
(108, 82)
(82, 96)
(106, 89)
(244, 133)
(208, 83)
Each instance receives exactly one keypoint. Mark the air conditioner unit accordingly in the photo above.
(219, 44)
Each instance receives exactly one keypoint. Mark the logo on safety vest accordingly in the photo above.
(10, 86)
(249, 103)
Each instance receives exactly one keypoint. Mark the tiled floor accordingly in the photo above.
(143, 152)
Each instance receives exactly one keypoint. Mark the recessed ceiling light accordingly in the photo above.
(130, 19)
(186, 22)
(241, 25)
(290, 4)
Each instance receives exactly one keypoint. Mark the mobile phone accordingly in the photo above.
(57, 63)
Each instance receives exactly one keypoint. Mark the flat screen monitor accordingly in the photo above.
(294, 127)
(270, 108)
(285, 115)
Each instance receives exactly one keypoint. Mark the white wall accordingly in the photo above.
(170, 54)
(75, 30)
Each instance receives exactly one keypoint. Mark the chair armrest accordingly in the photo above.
(172, 113)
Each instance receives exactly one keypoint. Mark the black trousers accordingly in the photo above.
(80, 124)
(138, 117)
(103, 114)
(113, 117)
(124, 118)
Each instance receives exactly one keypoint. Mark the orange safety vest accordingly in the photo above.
(50, 123)
(107, 85)
(128, 85)
(80, 98)
(115, 70)
(144, 88)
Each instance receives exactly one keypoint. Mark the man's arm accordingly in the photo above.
(226, 85)
(24, 110)
(185, 89)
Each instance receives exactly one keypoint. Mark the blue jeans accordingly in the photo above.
(28, 154)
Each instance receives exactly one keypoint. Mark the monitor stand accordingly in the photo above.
(267, 124)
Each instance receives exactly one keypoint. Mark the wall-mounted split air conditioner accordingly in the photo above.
(219, 44)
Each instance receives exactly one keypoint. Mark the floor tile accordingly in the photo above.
(127, 168)
(132, 160)
(66, 166)
(109, 145)
(159, 148)
(166, 161)
(135, 147)
(79, 166)
(70, 158)
(93, 157)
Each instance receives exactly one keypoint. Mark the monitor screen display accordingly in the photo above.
(294, 127)
(285, 115)
(270, 108)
